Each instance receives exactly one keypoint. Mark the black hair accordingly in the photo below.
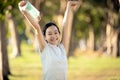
(48, 25)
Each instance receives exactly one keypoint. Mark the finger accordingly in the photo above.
(73, 3)
(22, 3)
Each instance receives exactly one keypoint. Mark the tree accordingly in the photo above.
(4, 54)
(14, 34)
(5, 65)
(1, 78)
(118, 41)
(112, 28)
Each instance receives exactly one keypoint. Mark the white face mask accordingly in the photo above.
(30, 9)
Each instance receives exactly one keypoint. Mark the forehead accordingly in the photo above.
(52, 28)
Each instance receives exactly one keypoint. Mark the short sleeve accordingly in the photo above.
(44, 52)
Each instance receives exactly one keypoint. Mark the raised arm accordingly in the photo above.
(35, 25)
(71, 7)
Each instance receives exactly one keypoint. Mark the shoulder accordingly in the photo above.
(44, 49)
(61, 45)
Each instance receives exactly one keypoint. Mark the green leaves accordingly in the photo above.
(91, 13)
(4, 5)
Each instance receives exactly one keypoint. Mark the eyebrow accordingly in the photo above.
(56, 30)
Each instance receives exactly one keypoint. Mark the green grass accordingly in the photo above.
(83, 68)
(28, 67)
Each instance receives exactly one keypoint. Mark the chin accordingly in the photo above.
(54, 43)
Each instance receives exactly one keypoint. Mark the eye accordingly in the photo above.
(56, 32)
(49, 34)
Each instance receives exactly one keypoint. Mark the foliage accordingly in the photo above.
(5, 5)
(49, 8)
(91, 14)
(12, 7)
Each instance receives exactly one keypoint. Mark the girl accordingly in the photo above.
(52, 50)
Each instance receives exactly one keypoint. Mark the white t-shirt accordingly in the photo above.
(54, 62)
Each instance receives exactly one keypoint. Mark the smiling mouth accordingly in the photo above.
(54, 39)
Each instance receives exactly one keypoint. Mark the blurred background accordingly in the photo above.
(94, 49)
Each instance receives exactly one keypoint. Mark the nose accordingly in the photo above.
(53, 36)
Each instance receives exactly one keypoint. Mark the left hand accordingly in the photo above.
(74, 5)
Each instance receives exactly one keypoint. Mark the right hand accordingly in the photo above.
(22, 3)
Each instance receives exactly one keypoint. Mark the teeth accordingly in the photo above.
(54, 39)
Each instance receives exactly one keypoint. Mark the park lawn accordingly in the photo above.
(28, 67)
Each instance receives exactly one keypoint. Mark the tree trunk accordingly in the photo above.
(109, 27)
(112, 30)
(108, 38)
(14, 36)
(115, 31)
(5, 66)
(72, 41)
(102, 47)
(1, 78)
(118, 38)
(91, 41)
(119, 33)
(118, 45)
(114, 43)
(0, 65)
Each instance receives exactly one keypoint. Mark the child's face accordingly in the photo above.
(52, 35)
